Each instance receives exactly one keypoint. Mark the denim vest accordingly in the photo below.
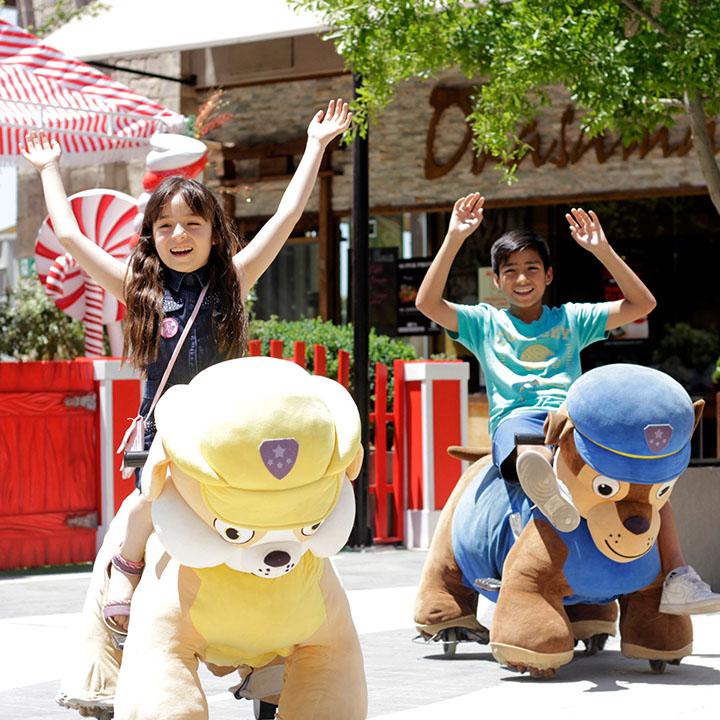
(198, 351)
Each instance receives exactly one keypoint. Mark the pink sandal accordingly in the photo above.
(113, 608)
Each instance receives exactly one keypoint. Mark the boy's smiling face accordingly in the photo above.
(522, 280)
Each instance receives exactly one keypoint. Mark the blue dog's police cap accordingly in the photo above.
(632, 423)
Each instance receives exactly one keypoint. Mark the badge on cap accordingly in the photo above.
(657, 437)
(279, 456)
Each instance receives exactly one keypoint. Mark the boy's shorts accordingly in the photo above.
(503, 439)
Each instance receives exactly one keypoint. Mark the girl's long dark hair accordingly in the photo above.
(144, 291)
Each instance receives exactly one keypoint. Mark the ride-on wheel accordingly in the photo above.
(595, 643)
(96, 713)
(263, 710)
(449, 642)
(658, 666)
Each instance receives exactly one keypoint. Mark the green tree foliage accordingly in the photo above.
(630, 66)
(32, 327)
(689, 355)
(65, 10)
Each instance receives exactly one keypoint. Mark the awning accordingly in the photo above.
(94, 118)
(139, 27)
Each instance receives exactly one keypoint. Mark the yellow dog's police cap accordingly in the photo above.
(267, 441)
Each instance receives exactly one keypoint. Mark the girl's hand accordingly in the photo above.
(467, 214)
(39, 150)
(328, 124)
(587, 231)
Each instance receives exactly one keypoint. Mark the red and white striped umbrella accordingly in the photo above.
(94, 118)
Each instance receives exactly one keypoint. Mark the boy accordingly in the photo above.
(530, 355)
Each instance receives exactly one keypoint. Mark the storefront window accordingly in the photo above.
(289, 287)
(392, 239)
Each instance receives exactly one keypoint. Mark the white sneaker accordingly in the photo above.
(686, 593)
(544, 488)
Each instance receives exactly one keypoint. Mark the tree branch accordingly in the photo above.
(704, 145)
(650, 19)
(672, 102)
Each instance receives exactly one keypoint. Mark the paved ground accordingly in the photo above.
(406, 681)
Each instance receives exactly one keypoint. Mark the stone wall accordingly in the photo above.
(696, 502)
(281, 111)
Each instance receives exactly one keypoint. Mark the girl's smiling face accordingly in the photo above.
(182, 239)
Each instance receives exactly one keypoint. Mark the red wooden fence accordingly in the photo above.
(388, 492)
(277, 349)
(49, 495)
(50, 499)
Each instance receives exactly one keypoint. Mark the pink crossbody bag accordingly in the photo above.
(134, 438)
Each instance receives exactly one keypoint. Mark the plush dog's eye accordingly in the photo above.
(232, 533)
(311, 529)
(605, 487)
(665, 489)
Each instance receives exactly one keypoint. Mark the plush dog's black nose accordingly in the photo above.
(277, 558)
(636, 524)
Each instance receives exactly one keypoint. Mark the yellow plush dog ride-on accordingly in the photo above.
(249, 475)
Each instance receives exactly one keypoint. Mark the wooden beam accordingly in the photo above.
(268, 150)
(228, 198)
(568, 199)
(328, 255)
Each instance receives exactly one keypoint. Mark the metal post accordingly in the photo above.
(361, 535)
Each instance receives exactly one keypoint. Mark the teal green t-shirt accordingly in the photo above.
(529, 366)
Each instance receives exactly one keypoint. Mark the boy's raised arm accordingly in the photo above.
(256, 256)
(638, 300)
(44, 155)
(466, 217)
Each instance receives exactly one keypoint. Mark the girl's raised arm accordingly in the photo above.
(252, 261)
(107, 271)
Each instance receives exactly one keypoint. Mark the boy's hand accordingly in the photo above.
(467, 214)
(328, 124)
(587, 231)
(39, 150)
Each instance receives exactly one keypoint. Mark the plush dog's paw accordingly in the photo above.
(639, 652)
(522, 659)
(534, 672)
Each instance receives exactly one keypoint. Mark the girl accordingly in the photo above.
(185, 244)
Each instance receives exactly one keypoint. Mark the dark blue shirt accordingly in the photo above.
(198, 351)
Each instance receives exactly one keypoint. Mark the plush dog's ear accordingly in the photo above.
(557, 425)
(155, 470)
(471, 454)
(353, 470)
(698, 406)
(335, 528)
(347, 423)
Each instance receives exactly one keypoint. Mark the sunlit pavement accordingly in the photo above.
(406, 680)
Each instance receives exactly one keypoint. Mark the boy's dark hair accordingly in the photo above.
(515, 240)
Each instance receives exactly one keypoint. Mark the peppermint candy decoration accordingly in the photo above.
(105, 217)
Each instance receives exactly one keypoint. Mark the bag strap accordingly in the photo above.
(176, 351)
